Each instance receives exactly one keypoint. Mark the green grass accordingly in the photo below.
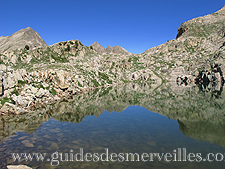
(163, 80)
(53, 92)
(58, 58)
(16, 92)
(1, 61)
(105, 92)
(79, 84)
(39, 85)
(5, 99)
(95, 91)
(22, 120)
(96, 84)
(22, 82)
(105, 77)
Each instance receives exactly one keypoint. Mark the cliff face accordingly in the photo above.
(21, 38)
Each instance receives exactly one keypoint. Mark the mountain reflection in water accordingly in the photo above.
(199, 112)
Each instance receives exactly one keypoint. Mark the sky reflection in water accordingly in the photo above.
(134, 130)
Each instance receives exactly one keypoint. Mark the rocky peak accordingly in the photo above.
(120, 50)
(19, 39)
(98, 48)
(109, 49)
(117, 50)
(113, 50)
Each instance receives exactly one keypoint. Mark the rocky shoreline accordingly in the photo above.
(29, 91)
(184, 103)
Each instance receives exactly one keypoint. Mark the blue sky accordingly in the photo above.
(136, 25)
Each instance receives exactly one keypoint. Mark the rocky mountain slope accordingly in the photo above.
(32, 77)
(63, 69)
(197, 53)
(21, 38)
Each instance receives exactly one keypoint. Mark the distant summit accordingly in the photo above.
(98, 48)
(113, 50)
(20, 39)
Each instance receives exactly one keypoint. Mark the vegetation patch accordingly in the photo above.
(80, 84)
(5, 99)
(22, 82)
(105, 92)
(15, 91)
(105, 77)
(53, 92)
(1, 61)
(96, 84)
(57, 58)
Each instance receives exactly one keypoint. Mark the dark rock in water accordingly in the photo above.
(213, 77)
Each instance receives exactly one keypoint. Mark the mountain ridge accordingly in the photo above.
(101, 49)
(33, 77)
(31, 38)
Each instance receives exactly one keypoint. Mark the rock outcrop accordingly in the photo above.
(21, 38)
(211, 25)
(199, 46)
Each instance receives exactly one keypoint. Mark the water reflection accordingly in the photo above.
(180, 103)
(200, 116)
(204, 130)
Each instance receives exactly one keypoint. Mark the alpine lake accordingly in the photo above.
(137, 125)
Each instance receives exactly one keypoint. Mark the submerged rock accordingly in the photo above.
(18, 167)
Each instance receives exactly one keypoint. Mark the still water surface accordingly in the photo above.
(131, 130)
